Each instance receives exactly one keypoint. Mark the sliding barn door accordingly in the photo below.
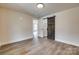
(51, 28)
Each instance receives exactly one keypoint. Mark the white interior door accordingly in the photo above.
(35, 28)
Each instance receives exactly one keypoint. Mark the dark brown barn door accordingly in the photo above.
(51, 28)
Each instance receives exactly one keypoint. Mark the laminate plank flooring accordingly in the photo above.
(39, 46)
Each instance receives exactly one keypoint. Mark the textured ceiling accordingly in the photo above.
(31, 9)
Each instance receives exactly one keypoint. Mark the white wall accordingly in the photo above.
(14, 26)
(67, 26)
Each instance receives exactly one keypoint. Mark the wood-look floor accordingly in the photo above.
(39, 46)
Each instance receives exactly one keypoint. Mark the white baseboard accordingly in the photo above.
(16, 41)
(26, 38)
(68, 42)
